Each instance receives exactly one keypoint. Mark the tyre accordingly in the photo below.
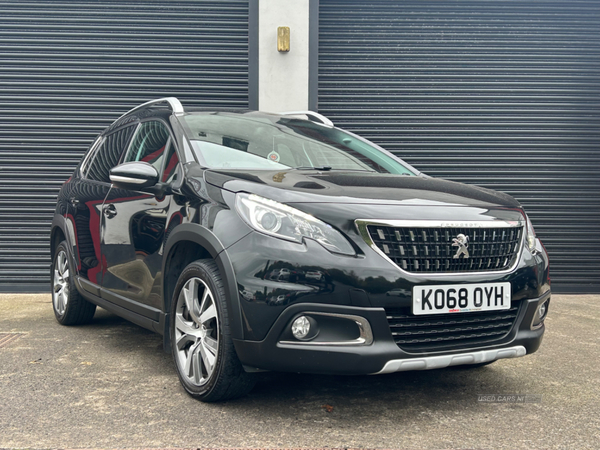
(70, 308)
(206, 361)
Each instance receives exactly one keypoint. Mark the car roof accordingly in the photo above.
(172, 106)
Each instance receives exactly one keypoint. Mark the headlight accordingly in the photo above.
(282, 221)
(530, 236)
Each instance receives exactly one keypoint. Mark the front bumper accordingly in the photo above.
(382, 355)
(280, 280)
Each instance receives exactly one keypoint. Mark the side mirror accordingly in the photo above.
(134, 175)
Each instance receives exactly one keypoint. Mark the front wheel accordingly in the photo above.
(207, 364)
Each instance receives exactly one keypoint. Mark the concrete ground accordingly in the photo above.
(109, 385)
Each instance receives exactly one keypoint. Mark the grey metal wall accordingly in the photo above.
(502, 93)
(69, 68)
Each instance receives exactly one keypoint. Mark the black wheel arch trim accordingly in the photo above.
(208, 240)
(59, 222)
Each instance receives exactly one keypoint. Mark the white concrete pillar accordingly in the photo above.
(283, 78)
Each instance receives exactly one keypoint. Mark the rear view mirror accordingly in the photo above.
(134, 175)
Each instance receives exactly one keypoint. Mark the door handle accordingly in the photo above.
(109, 211)
(74, 201)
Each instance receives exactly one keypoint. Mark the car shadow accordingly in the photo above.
(342, 398)
(278, 393)
(121, 337)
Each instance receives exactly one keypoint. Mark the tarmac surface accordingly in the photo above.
(110, 385)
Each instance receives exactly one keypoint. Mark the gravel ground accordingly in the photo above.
(110, 385)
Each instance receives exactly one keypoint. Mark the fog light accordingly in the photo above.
(542, 311)
(301, 327)
(540, 315)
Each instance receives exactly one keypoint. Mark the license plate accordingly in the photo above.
(456, 298)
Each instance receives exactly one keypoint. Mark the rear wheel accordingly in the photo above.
(70, 308)
(207, 364)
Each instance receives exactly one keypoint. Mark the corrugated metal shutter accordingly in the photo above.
(502, 93)
(69, 68)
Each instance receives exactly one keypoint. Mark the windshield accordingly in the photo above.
(270, 142)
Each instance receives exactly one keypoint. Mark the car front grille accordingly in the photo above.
(435, 250)
(448, 331)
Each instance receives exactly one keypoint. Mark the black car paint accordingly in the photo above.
(340, 187)
(266, 278)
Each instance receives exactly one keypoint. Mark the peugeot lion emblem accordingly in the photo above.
(460, 241)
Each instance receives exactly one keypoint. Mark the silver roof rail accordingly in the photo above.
(311, 116)
(174, 102)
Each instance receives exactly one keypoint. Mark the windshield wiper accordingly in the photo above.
(312, 168)
(328, 168)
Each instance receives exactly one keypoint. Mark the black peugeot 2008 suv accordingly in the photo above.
(255, 241)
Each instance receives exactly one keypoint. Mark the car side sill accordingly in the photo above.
(145, 322)
(131, 305)
(88, 286)
(439, 362)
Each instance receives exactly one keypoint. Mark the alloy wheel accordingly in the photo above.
(60, 288)
(196, 332)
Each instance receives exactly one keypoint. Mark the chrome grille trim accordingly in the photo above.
(363, 224)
